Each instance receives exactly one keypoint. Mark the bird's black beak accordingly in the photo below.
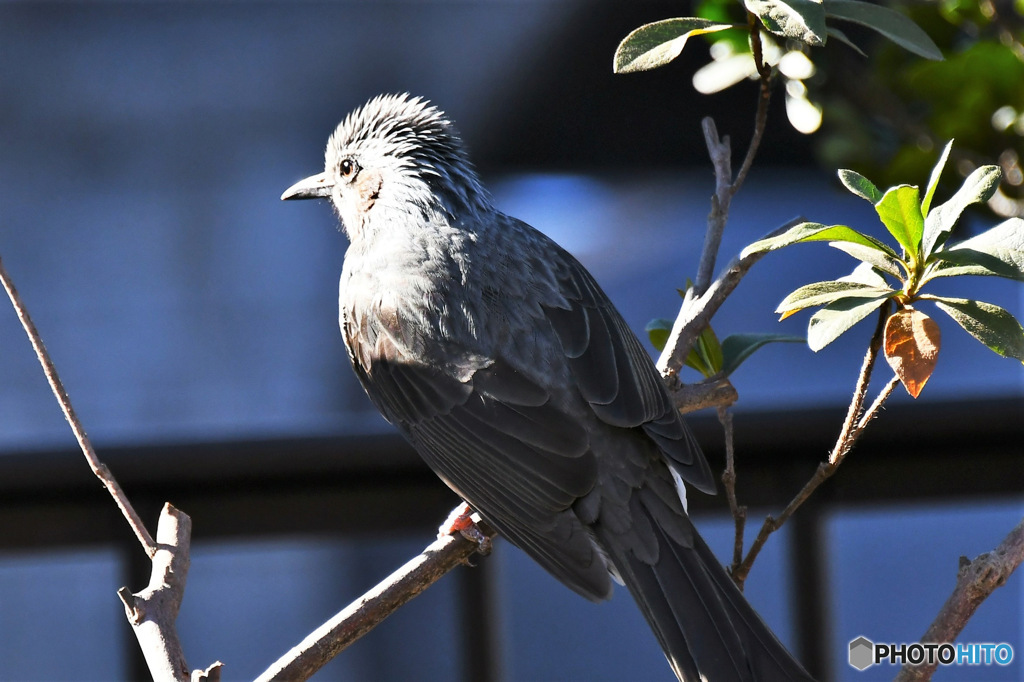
(314, 187)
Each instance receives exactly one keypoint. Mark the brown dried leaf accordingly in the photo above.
(912, 343)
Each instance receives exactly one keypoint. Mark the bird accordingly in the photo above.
(506, 366)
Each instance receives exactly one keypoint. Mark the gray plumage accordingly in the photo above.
(501, 360)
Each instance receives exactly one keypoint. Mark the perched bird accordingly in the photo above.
(508, 369)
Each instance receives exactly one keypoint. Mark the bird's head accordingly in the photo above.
(394, 155)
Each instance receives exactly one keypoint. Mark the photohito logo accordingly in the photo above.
(864, 653)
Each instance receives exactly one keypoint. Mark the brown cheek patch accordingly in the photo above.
(369, 189)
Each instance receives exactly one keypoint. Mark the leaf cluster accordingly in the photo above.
(809, 22)
(896, 274)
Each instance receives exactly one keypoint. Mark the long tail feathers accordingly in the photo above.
(705, 626)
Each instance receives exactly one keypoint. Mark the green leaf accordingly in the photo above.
(900, 211)
(823, 293)
(815, 232)
(802, 20)
(978, 187)
(859, 185)
(990, 324)
(658, 330)
(829, 323)
(891, 24)
(933, 181)
(738, 347)
(878, 258)
(654, 45)
(998, 252)
(706, 354)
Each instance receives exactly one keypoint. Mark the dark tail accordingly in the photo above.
(705, 626)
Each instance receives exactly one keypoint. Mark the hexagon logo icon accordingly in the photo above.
(862, 653)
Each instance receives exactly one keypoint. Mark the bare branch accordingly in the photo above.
(975, 581)
(153, 611)
(368, 611)
(98, 467)
(696, 312)
(714, 392)
(739, 514)
(853, 426)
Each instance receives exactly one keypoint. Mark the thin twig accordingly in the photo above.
(764, 73)
(976, 580)
(739, 514)
(853, 426)
(697, 308)
(368, 611)
(98, 467)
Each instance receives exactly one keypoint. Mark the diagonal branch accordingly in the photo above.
(975, 581)
(365, 613)
(98, 467)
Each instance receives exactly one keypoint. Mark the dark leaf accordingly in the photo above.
(738, 347)
(891, 24)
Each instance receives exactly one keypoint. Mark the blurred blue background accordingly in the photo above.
(144, 150)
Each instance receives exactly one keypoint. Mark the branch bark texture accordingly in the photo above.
(975, 581)
(362, 615)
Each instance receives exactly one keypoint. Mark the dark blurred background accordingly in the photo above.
(192, 316)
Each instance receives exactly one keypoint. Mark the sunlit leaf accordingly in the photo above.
(654, 45)
(933, 181)
(998, 251)
(900, 211)
(859, 185)
(873, 256)
(815, 232)
(823, 293)
(865, 273)
(912, 342)
(706, 354)
(978, 187)
(891, 24)
(802, 20)
(738, 347)
(990, 324)
(833, 320)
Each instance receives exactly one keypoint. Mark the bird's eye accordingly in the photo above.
(348, 168)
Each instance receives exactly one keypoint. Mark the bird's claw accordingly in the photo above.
(463, 520)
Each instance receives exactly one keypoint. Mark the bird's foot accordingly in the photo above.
(464, 520)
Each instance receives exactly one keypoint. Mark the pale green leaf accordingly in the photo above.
(833, 320)
(802, 20)
(990, 324)
(859, 185)
(654, 45)
(978, 187)
(878, 258)
(823, 293)
(867, 274)
(890, 23)
(998, 252)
